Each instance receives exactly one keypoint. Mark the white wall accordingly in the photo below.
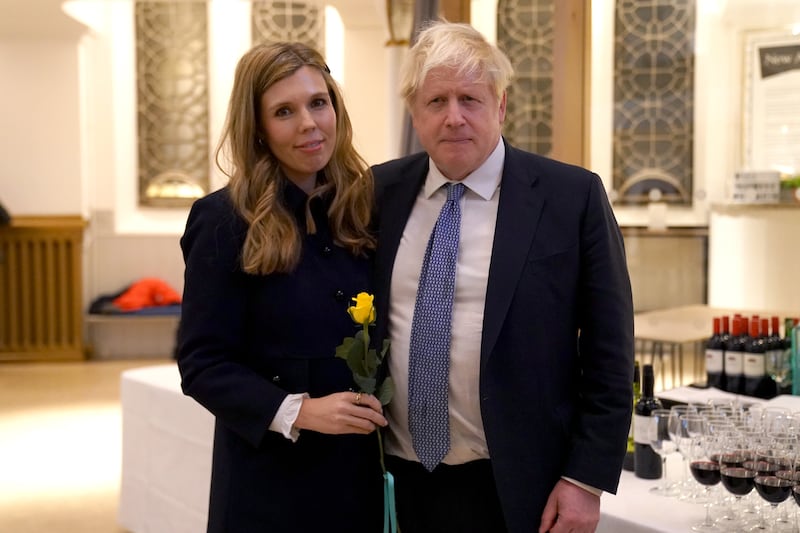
(369, 101)
(40, 164)
(754, 257)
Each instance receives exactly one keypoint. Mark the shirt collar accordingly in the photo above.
(483, 181)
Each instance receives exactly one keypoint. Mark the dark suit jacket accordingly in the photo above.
(245, 342)
(557, 342)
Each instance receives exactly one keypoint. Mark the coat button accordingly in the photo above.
(276, 379)
(326, 250)
(339, 296)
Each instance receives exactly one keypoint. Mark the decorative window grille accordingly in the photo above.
(172, 93)
(525, 34)
(301, 21)
(653, 101)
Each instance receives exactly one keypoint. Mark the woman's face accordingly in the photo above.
(299, 121)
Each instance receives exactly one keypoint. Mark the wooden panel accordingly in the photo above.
(40, 289)
(571, 44)
(455, 10)
(667, 268)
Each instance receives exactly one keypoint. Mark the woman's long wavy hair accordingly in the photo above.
(273, 242)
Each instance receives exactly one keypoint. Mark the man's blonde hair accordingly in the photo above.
(454, 46)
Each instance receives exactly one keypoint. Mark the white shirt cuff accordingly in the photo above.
(597, 492)
(283, 422)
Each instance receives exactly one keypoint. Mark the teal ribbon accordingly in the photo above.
(389, 511)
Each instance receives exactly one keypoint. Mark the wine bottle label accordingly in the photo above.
(734, 363)
(714, 361)
(754, 365)
(641, 429)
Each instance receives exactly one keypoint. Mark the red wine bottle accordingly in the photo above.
(715, 357)
(772, 347)
(775, 341)
(646, 462)
(755, 366)
(725, 334)
(734, 358)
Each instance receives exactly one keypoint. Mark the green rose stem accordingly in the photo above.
(364, 364)
(380, 449)
(365, 326)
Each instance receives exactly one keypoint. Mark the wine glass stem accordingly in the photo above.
(763, 522)
(707, 505)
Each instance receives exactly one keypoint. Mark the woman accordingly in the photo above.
(272, 261)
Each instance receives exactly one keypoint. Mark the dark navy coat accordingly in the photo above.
(245, 342)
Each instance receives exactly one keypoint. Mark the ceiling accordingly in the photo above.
(44, 19)
(37, 19)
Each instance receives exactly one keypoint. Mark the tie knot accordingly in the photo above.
(454, 191)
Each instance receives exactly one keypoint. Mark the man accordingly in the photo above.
(539, 365)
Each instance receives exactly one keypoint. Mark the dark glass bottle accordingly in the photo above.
(775, 341)
(734, 357)
(756, 381)
(773, 350)
(725, 334)
(715, 357)
(627, 464)
(646, 462)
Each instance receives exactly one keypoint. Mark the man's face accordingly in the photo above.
(458, 120)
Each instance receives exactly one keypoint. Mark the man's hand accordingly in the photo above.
(570, 509)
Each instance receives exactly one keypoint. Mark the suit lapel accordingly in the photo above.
(518, 216)
(395, 203)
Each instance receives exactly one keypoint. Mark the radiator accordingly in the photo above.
(40, 289)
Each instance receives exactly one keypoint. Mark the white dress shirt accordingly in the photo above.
(478, 218)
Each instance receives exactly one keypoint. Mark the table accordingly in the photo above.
(166, 454)
(166, 463)
(635, 510)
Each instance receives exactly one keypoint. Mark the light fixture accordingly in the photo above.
(400, 19)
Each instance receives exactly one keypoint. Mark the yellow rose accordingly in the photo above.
(363, 312)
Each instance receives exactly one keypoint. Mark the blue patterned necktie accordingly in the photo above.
(429, 351)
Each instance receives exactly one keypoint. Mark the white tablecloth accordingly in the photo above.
(635, 510)
(166, 464)
(166, 454)
(692, 394)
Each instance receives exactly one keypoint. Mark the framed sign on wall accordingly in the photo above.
(772, 107)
